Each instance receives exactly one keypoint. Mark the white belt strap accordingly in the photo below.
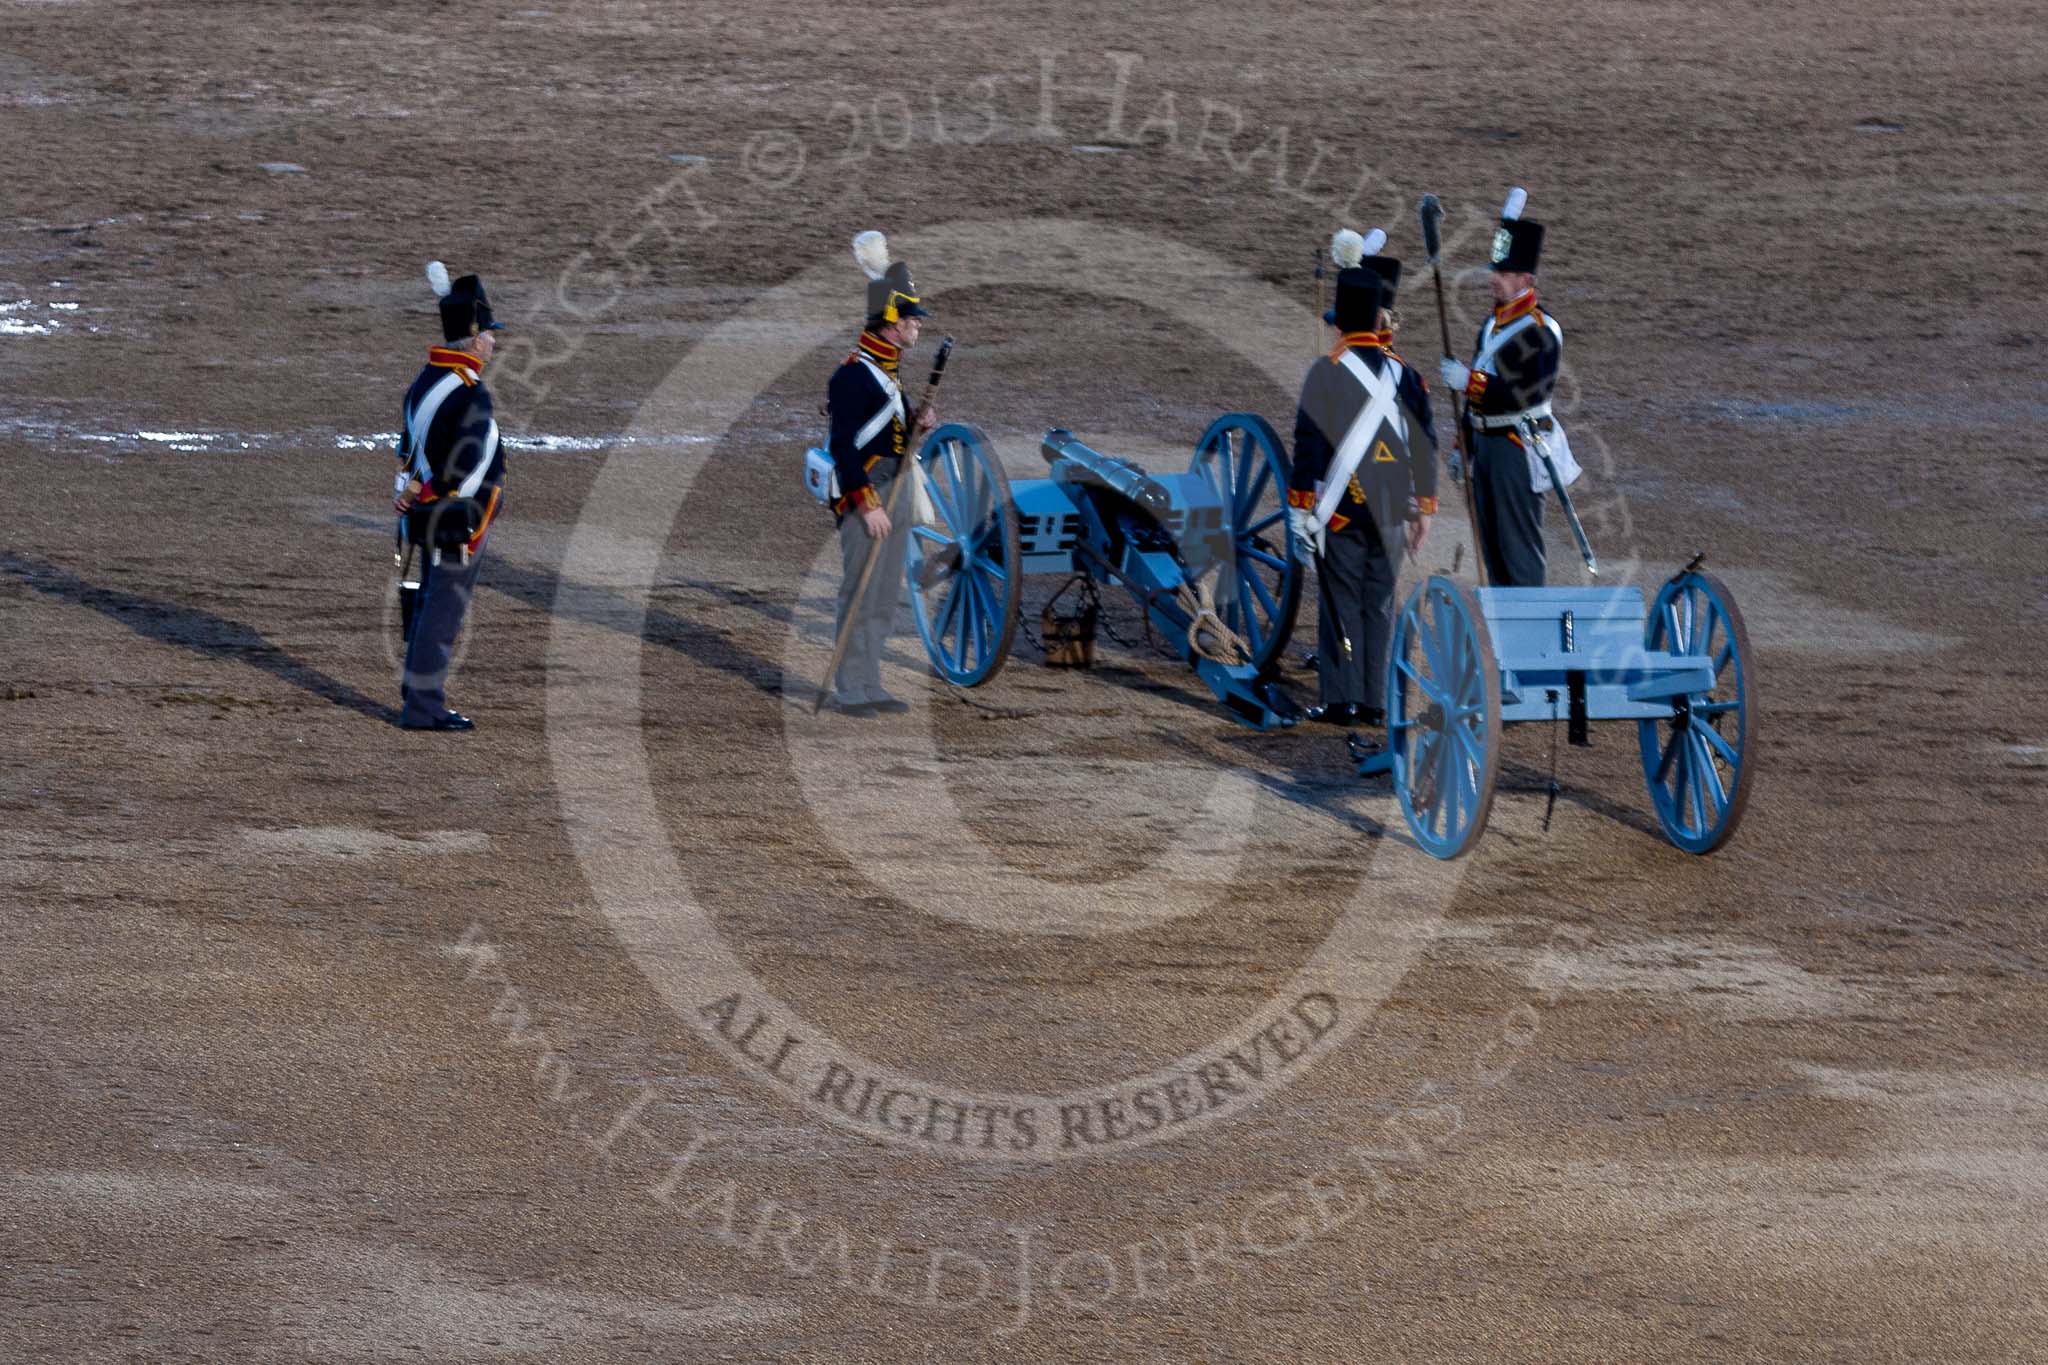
(892, 410)
(420, 421)
(1382, 408)
(1508, 421)
(476, 476)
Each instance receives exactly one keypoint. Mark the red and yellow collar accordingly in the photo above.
(462, 362)
(880, 351)
(1521, 305)
(1350, 339)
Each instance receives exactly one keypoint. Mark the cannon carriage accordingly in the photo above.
(1467, 661)
(1206, 554)
(1209, 559)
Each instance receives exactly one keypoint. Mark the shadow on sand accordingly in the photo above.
(191, 628)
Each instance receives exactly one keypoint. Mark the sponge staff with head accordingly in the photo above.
(870, 427)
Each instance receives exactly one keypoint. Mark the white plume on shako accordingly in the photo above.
(1348, 248)
(871, 249)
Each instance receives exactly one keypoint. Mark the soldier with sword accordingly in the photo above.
(446, 493)
(1517, 448)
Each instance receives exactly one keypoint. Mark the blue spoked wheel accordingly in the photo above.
(1243, 458)
(960, 560)
(1698, 762)
(1443, 716)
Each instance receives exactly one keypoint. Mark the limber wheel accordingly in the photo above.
(960, 560)
(1443, 716)
(1696, 761)
(1242, 457)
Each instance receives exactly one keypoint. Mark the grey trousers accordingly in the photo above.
(860, 671)
(1355, 627)
(1510, 514)
(445, 590)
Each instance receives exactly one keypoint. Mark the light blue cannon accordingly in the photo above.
(1206, 555)
(1466, 661)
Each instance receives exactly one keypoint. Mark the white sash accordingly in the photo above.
(892, 410)
(1491, 341)
(1382, 407)
(476, 476)
(420, 421)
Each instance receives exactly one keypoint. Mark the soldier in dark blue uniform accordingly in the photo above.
(1364, 463)
(447, 490)
(1513, 371)
(870, 425)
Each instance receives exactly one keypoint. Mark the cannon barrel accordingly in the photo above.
(1073, 462)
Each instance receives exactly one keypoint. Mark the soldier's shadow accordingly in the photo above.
(548, 592)
(192, 628)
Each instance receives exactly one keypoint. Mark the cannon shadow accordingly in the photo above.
(1130, 679)
(1525, 780)
(1319, 794)
(193, 629)
(1515, 777)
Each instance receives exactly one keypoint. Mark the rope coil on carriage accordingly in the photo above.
(1208, 637)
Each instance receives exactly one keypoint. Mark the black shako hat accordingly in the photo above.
(1389, 271)
(1361, 294)
(1518, 242)
(1351, 251)
(891, 293)
(465, 311)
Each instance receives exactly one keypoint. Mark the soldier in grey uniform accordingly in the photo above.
(870, 426)
(1364, 463)
(1513, 371)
